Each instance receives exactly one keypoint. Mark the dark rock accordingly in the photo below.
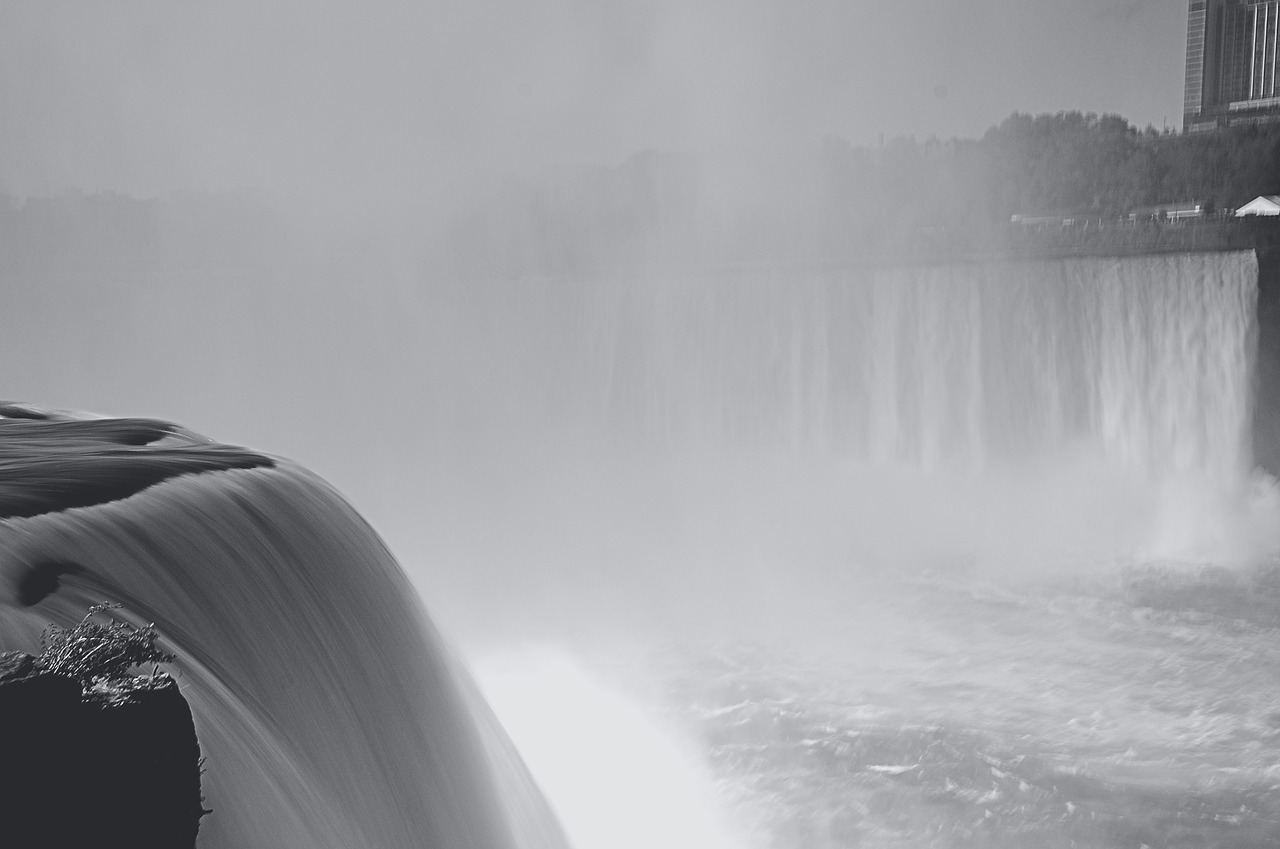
(1266, 405)
(81, 771)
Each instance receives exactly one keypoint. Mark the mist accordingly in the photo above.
(397, 103)
(559, 298)
(394, 242)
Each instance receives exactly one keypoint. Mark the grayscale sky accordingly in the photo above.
(147, 96)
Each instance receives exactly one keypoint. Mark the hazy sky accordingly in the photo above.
(146, 96)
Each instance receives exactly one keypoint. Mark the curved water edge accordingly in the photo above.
(329, 710)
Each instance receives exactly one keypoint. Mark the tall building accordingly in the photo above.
(1231, 63)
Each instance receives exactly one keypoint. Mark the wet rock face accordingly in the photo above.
(77, 771)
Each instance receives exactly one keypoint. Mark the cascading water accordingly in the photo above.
(329, 711)
(883, 523)
(1037, 416)
(1146, 361)
(798, 492)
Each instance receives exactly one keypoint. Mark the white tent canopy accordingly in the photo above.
(1261, 205)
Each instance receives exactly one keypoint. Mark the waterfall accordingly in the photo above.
(329, 711)
(1146, 362)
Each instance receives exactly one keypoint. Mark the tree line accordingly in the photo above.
(831, 201)
(836, 201)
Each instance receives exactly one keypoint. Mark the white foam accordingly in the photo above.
(617, 777)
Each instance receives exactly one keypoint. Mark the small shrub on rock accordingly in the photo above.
(101, 656)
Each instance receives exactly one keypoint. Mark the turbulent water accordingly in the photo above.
(960, 719)
(969, 555)
(936, 556)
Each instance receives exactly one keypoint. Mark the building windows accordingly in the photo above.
(1231, 69)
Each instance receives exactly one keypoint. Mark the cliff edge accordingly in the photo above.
(79, 769)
